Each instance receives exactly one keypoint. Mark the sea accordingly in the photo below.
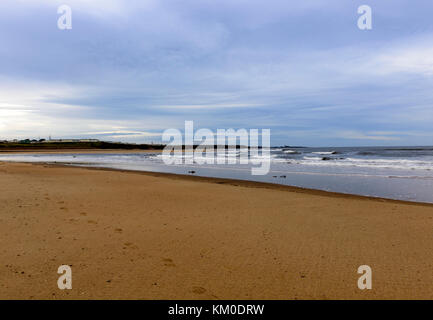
(401, 173)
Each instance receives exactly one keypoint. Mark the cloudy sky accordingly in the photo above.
(130, 69)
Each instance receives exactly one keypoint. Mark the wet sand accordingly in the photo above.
(130, 235)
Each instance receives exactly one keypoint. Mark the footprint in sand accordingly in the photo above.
(198, 290)
(92, 222)
(168, 262)
(118, 230)
(130, 245)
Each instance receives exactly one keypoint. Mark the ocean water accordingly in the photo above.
(404, 173)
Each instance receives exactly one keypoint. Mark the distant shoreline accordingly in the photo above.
(54, 146)
(68, 151)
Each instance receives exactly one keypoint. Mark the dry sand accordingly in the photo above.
(156, 236)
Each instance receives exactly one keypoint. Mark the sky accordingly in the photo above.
(128, 70)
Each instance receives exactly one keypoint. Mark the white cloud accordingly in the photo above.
(418, 60)
(97, 8)
(119, 133)
(356, 135)
(209, 106)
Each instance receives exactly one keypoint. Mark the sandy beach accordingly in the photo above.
(130, 235)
